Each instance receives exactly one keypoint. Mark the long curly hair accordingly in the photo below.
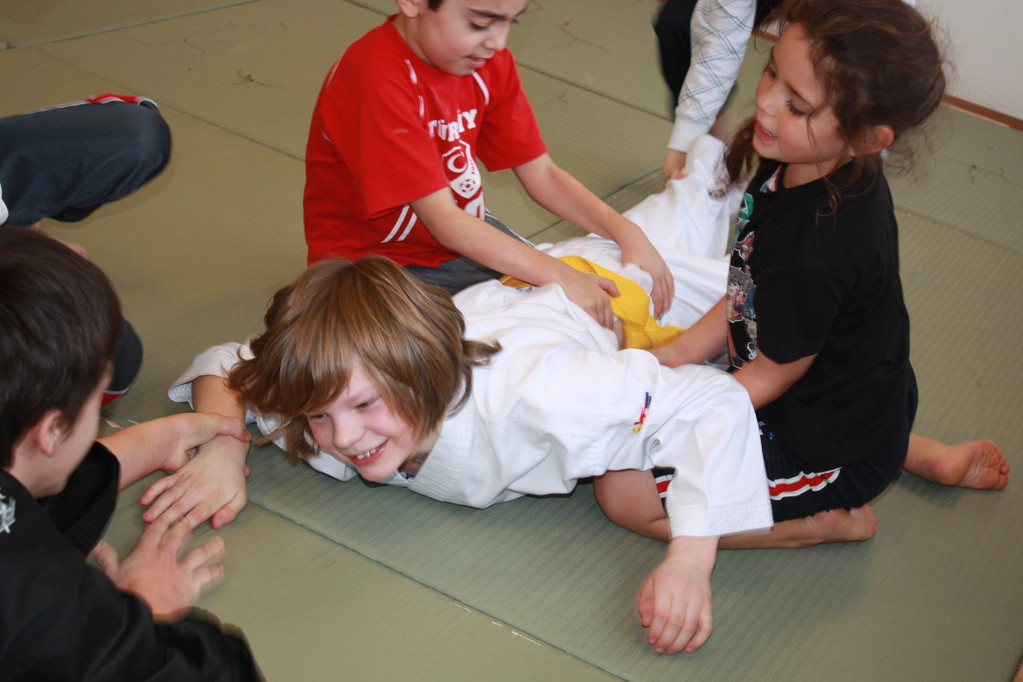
(878, 64)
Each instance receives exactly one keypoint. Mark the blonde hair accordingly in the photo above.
(408, 335)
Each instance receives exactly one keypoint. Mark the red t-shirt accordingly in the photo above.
(388, 129)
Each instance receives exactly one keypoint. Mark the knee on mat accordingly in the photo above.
(151, 138)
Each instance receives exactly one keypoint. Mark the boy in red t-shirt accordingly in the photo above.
(391, 159)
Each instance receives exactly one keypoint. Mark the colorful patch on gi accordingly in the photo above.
(638, 424)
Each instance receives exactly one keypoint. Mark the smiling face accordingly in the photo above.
(459, 36)
(793, 124)
(361, 430)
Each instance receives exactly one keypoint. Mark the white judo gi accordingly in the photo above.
(561, 403)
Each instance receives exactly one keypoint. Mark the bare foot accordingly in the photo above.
(836, 525)
(977, 464)
(854, 525)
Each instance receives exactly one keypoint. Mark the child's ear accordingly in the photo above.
(874, 140)
(48, 432)
(410, 8)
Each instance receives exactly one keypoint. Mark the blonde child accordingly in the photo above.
(364, 371)
(815, 323)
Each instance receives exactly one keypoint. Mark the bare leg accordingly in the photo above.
(836, 525)
(973, 464)
(629, 498)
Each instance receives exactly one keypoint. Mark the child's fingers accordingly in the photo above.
(192, 504)
(609, 287)
(661, 296)
(201, 564)
(206, 576)
(662, 630)
(203, 556)
(222, 517)
(676, 620)
(688, 631)
(653, 607)
(645, 604)
(226, 426)
(170, 537)
(668, 285)
(159, 487)
(696, 627)
(703, 633)
(227, 513)
(193, 515)
(167, 505)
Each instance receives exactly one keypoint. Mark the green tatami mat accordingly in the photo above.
(583, 42)
(557, 571)
(971, 182)
(964, 346)
(316, 612)
(24, 22)
(254, 69)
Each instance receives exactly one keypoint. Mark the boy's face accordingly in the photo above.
(362, 431)
(461, 35)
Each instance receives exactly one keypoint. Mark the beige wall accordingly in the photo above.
(986, 48)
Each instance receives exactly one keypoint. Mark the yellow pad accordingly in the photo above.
(632, 307)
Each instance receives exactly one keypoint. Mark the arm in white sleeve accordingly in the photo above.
(720, 31)
(216, 361)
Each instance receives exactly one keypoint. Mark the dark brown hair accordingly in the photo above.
(409, 337)
(59, 325)
(878, 64)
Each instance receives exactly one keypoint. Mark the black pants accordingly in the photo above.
(797, 491)
(674, 41)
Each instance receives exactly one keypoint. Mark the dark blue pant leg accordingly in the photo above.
(66, 162)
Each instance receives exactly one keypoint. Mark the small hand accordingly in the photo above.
(152, 571)
(591, 293)
(674, 167)
(643, 253)
(675, 606)
(211, 485)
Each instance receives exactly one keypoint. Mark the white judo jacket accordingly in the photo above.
(560, 402)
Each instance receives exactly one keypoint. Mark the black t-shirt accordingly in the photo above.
(62, 619)
(803, 282)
